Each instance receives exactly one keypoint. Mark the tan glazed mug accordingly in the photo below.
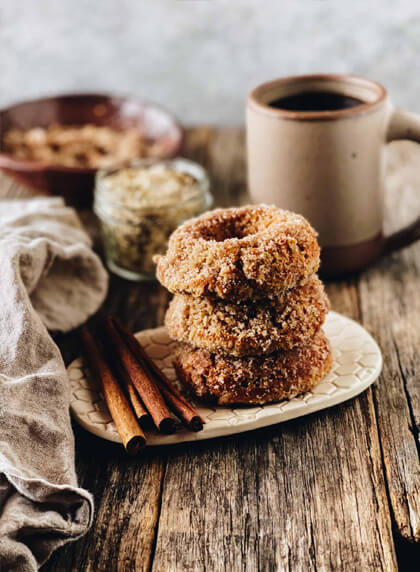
(328, 164)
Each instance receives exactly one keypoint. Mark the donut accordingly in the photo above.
(227, 380)
(249, 328)
(239, 253)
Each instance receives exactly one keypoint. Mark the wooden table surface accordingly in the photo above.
(336, 490)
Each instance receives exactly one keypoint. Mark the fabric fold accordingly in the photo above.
(49, 279)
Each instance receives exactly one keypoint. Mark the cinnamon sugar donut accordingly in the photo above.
(254, 380)
(249, 328)
(239, 253)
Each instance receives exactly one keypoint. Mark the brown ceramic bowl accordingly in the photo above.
(75, 184)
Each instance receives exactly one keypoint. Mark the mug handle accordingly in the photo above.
(403, 125)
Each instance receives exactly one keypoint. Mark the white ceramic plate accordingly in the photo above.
(357, 362)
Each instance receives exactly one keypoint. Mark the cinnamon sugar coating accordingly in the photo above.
(239, 253)
(254, 380)
(249, 328)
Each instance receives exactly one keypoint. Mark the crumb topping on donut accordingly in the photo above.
(239, 253)
(254, 380)
(249, 327)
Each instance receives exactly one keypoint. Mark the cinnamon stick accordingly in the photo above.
(126, 424)
(148, 391)
(141, 412)
(175, 400)
(187, 415)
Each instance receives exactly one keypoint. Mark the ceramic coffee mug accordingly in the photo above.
(328, 164)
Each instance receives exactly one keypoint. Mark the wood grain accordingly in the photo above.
(326, 492)
(397, 392)
(308, 495)
(390, 307)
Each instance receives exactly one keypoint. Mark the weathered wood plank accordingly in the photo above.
(228, 167)
(397, 393)
(196, 143)
(390, 307)
(308, 495)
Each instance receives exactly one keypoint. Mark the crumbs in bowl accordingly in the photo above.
(86, 146)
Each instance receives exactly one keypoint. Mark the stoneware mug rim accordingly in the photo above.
(257, 102)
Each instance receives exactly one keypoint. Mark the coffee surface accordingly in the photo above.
(315, 101)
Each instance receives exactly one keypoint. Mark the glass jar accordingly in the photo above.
(139, 206)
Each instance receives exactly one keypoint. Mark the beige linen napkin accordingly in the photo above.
(49, 278)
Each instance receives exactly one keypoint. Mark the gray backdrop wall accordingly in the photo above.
(201, 57)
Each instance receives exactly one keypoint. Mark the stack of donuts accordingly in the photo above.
(248, 305)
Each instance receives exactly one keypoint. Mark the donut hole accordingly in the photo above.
(238, 225)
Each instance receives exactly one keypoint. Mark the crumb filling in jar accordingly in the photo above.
(139, 206)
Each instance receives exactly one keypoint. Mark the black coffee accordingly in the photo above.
(315, 101)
